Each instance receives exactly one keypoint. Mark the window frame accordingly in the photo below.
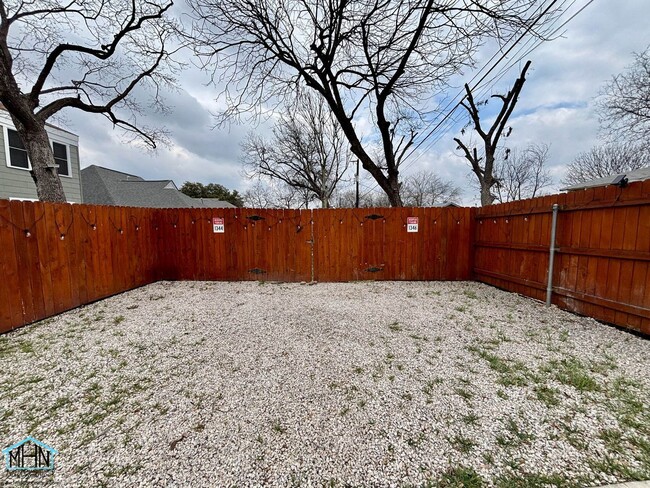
(5, 133)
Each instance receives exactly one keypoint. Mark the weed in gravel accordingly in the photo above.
(614, 467)
(119, 319)
(547, 395)
(470, 419)
(395, 327)
(573, 373)
(277, 427)
(488, 457)
(519, 435)
(462, 444)
(406, 396)
(612, 439)
(430, 387)
(417, 440)
(344, 411)
(464, 393)
(535, 480)
(419, 338)
(460, 477)
(358, 370)
(470, 294)
(460, 308)
(59, 403)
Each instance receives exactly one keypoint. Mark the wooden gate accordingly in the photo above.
(374, 244)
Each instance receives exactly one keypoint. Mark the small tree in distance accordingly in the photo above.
(307, 151)
(523, 174)
(606, 160)
(624, 104)
(212, 190)
(424, 189)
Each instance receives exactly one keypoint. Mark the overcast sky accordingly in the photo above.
(556, 107)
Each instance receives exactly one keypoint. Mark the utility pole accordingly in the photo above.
(356, 204)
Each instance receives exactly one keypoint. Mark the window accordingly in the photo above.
(17, 151)
(61, 158)
(17, 154)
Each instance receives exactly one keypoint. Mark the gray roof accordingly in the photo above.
(103, 186)
(641, 174)
(445, 204)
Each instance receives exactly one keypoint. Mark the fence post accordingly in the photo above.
(551, 258)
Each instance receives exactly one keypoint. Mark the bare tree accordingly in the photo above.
(424, 189)
(275, 194)
(308, 150)
(88, 55)
(523, 174)
(376, 61)
(483, 166)
(624, 103)
(347, 199)
(606, 160)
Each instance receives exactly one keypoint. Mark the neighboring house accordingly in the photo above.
(15, 178)
(641, 174)
(103, 186)
(446, 204)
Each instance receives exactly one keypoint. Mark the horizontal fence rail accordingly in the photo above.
(55, 257)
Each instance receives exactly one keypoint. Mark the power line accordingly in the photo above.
(526, 31)
(504, 70)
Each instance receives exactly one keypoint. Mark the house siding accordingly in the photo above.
(18, 183)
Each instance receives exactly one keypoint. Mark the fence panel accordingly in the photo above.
(602, 251)
(374, 244)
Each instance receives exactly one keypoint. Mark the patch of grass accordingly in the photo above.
(517, 433)
(470, 419)
(277, 427)
(547, 395)
(395, 327)
(419, 338)
(573, 373)
(464, 393)
(430, 386)
(462, 444)
(460, 477)
(119, 319)
(614, 467)
(470, 294)
(535, 480)
(358, 370)
(460, 308)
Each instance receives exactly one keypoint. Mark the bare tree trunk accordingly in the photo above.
(41, 158)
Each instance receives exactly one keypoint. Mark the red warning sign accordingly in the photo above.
(412, 224)
(218, 226)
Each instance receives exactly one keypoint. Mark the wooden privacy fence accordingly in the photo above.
(55, 257)
(602, 259)
(58, 256)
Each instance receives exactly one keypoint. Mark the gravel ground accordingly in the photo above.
(362, 384)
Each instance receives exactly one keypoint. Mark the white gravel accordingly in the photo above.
(364, 384)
